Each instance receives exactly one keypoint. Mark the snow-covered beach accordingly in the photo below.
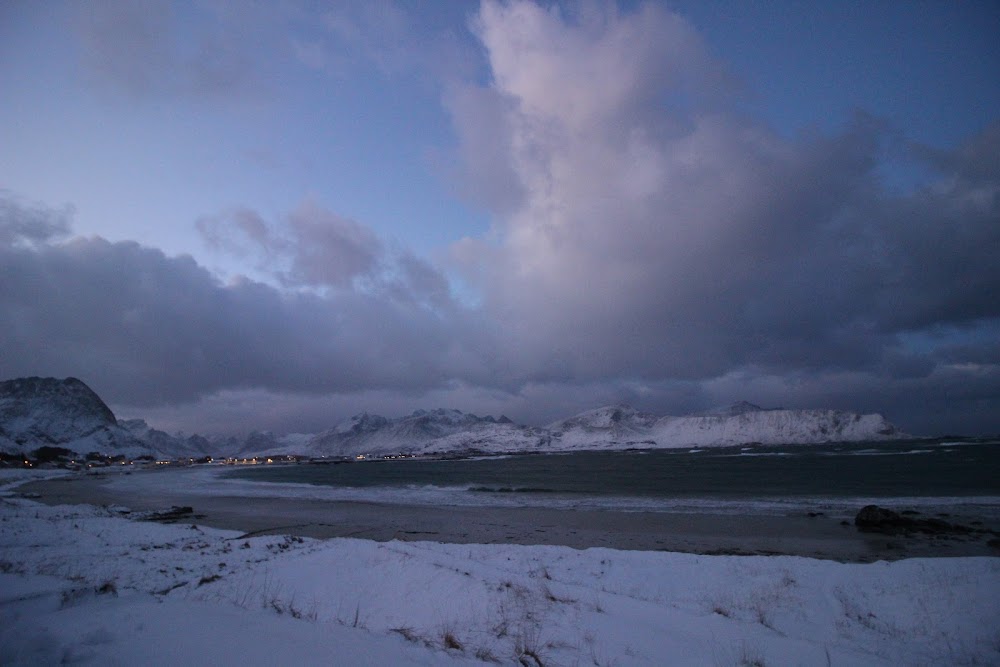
(84, 583)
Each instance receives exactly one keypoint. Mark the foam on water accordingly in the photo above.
(833, 479)
(210, 481)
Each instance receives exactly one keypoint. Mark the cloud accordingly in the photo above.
(216, 50)
(328, 249)
(650, 244)
(142, 48)
(148, 329)
(311, 247)
(24, 224)
(486, 174)
(392, 36)
(194, 51)
(654, 233)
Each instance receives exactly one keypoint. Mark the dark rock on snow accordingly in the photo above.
(875, 519)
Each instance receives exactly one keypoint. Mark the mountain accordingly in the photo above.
(610, 427)
(422, 432)
(772, 427)
(37, 412)
(615, 427)
(168, 446)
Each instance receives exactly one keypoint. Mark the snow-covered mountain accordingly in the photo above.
(614, 427)
(610, 427)
(168, 446)
(423, 432)
(772, 427)
(37, 412)
(738, 408)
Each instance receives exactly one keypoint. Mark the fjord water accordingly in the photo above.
(709, 478)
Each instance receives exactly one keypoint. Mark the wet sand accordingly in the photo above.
(817, 536)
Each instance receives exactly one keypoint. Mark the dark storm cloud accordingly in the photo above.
(684, 242)
(145, 328)
(651, 245)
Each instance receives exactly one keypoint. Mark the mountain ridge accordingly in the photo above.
(66, 413)
(35, 412)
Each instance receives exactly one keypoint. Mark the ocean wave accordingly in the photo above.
(508, 489)
(210, 481)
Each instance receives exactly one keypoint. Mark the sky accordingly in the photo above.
(235, 216)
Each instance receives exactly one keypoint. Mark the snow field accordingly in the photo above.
(84, 584)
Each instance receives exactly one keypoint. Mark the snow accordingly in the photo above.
(11, 478)
(613, 427)
(773, 427)
(47, 411)
(617, 426)
(89, 584)
(36, 412)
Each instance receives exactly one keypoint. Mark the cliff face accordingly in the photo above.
(743, 423)
(773, 427)
(37, 412)
(51, 411)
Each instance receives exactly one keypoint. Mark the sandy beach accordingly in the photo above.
(820, 536)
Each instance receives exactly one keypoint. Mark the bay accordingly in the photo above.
(933, 473)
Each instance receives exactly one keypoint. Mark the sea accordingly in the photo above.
(952, 475)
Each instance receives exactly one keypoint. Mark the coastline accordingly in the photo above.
(820, 536)
(84, 583)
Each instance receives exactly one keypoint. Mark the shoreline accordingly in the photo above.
(818, 536)
(85, 584)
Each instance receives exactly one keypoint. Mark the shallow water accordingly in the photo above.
(930, 475)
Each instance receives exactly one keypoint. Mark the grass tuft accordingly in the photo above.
(451, 642)
(406, 633)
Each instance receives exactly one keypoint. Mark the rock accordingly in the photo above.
(174, 514)
(872, 518)
(56, 418)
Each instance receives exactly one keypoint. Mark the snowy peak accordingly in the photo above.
(363, 423)
(620, 417)
(166, 445)
(51, 409)
(37, 412)
(607, 427)
(423, 431)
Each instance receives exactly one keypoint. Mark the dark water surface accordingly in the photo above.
(910, 468)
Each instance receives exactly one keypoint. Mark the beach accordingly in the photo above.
(88, 575)
(826, 536)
